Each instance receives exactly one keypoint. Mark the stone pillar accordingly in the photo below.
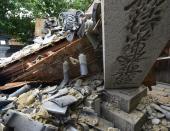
(134, 34)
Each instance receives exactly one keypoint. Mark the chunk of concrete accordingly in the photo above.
(122, 120)
(134, 34)
(126, 99)
(17, 121)
(94, 103)
(54, 108)
(64, 100)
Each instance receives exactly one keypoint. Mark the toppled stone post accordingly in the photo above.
(134, 34)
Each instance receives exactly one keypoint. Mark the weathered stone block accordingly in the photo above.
(94, 103)
(134, 34)
(122, 120)
(126, 99)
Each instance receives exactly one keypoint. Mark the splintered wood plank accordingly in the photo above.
(12, 85)
(50, 68)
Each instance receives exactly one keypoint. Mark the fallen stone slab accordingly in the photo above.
(94, 103)
(54, 108)
(125, 99)
(124, 121)
(64, 100)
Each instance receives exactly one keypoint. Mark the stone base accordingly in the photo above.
(122, 120)
(126, 99)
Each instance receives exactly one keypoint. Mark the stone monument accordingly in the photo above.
(134, 34)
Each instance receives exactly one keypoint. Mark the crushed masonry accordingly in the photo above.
(58, 83)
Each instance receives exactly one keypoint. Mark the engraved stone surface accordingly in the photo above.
(134, 34)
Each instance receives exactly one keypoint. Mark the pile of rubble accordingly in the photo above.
(49, 108)
(79, 104)
(74, 106)
(71, 105)
(156, 106)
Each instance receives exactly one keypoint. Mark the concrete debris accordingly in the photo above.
(73, 108)
(64, 100)
(155, 105)
(17, 121)
(78, 83)
(155, 121)
(165, 112)
(54, 108)
(61, 92)
(77, 100)
(165, 107)
(70, 128)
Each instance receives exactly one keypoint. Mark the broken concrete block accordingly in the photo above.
(61, 92)
(17, 121)
(54, 108)
(124, 121)
(91, 119)
(126, 99)
(94, 103)
(134, 34)
(105, 125)
(64, 101)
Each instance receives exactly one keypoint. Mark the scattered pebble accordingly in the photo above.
(155, 121)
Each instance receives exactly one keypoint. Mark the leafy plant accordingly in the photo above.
(17, 17)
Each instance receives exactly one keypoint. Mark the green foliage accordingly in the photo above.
(79, 4)
(22, 26)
